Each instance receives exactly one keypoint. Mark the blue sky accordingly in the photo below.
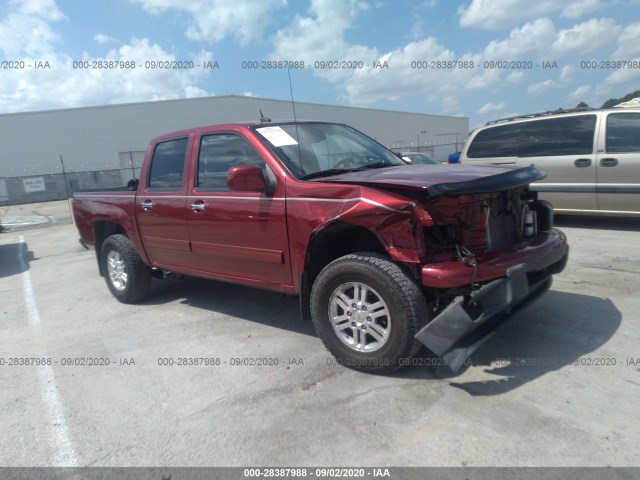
(523, 36)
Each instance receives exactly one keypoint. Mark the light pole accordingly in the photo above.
(421, 132)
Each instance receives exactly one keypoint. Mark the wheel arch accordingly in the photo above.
(103, 229)
(333, 241)
(336, 240)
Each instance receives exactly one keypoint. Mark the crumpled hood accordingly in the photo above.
(445, 179)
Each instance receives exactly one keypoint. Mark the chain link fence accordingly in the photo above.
(35, 201)
(58, 186)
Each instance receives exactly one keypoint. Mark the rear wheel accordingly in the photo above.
(127, 277)
(367, 309)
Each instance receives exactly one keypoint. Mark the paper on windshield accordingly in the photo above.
(277, 136)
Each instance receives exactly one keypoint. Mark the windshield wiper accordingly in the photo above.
(328, 173)
(377, 165)
(337, 171)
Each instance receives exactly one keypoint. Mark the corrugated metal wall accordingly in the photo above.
(94, 139)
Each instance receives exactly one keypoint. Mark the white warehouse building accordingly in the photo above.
(46, 155)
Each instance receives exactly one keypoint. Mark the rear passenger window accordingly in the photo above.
(167, 165)
(537, 138)
(500, 141)
(623, 132)
(220, 152)
(558, 136)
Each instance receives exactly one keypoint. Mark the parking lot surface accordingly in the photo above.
(558, 385)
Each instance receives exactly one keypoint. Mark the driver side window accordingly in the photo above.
(220, 152)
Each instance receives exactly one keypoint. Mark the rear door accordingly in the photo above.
(619, 162)
(161, 205)
(564, 148)
(236, 234)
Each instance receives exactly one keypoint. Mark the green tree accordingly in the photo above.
(615, 101)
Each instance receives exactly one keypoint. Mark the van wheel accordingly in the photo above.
(366, 310)
(127, 277)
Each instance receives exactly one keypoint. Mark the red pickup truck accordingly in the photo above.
(384, 256)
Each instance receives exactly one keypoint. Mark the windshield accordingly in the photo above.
(420, 159)
(311, 150)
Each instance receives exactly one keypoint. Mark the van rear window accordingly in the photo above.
(623, 132)
(537, 138)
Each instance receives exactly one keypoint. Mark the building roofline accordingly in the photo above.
(194, 99)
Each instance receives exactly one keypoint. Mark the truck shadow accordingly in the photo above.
(14, 259)
(558, 330)
(561, 329)
(246, 303)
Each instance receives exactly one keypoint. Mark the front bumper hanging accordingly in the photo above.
(469, 321)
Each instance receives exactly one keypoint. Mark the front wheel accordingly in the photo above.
(127, 277)
(366, 310)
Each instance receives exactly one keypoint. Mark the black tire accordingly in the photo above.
(390, 290)
(124, 260)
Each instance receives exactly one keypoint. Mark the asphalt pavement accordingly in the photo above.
(88, 381)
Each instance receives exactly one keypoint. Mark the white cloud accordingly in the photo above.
(503, 14)
(586, 37)
(516, 77)
(628, 43)
(26, 31)
(500, 14)
(491, 108)
(46, 9)
(581, 7)
(143, 83)
(101, 38)
(537, 88)
(368, 86)
(322, 34)
(566, 74)
(65, 86)
(580, 93)
(531, 37)
(213, 20)
(451, 105)
(417, 29)
(625, 79)
(194, 92)
(321, 37)
(538, 38)
(625, 76)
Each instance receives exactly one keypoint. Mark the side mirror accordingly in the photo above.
(248, 178)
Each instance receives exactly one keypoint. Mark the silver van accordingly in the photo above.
(592, 157)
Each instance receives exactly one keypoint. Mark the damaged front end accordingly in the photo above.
(485, 255)
(477, 239)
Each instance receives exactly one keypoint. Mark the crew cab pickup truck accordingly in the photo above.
(384, 256)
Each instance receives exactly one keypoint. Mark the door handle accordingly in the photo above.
(146, 205)
(609, 162)
(198, 206)
(582, 162)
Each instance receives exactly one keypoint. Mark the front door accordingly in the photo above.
(236, 234)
